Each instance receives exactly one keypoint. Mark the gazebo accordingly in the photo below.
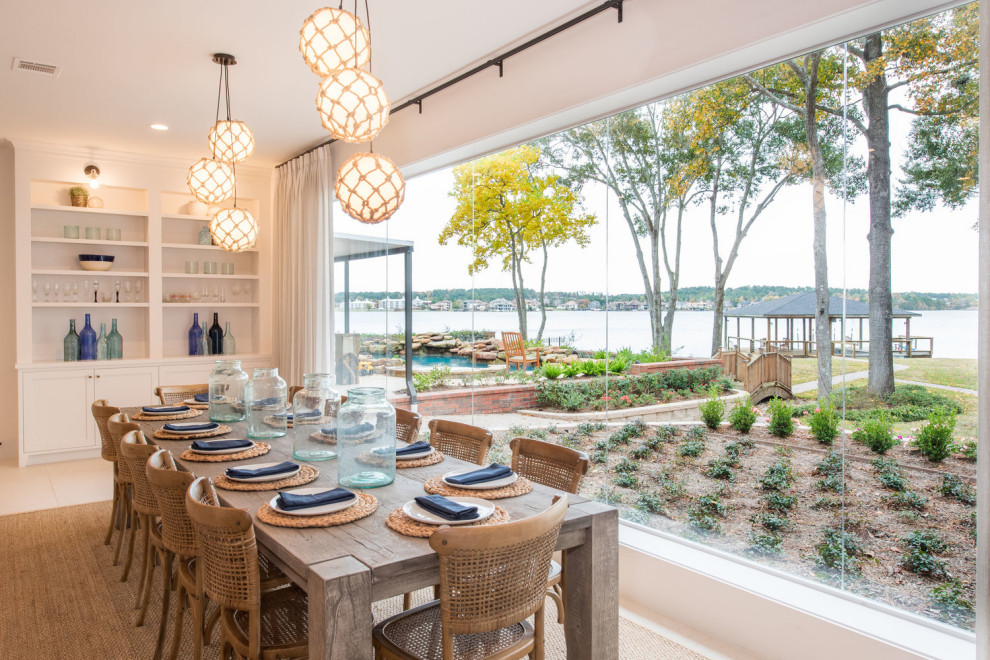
(790, 328)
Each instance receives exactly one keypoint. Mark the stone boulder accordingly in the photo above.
(486, 356)
(442, 344)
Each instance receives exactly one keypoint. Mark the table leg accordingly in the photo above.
(592, 588)
(340, 618)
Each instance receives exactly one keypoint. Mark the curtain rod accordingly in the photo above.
(498, 61)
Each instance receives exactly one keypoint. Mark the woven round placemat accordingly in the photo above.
(144, 417)
(403, 524)
(325, 439)
(432, 459)
(259, 449)
(270, 421)
(436, 486)
(364, 507)
(304, 476)
(162, 434)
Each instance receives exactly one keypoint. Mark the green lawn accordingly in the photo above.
(941, 371)
(805, 370)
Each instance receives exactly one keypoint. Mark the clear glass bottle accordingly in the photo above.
(227, 391)
(195, 335)
(314, 419)
(366, 439)
(205, 237)
(204, 340)
(101, 343)
(70, 345)
(87, 341)
(265, 397)
(229, 343)
(115, 343)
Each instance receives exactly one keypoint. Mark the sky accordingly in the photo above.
(931, 252)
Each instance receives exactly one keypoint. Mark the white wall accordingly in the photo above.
(8, 329)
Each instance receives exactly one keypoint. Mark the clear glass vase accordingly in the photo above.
(227, 384)
(265, 397)
(366, 439)
(314, 419)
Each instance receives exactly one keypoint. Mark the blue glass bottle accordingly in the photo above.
(101, 343)
(87, 342)
(195, 336)
(115, 342)
(71, 343)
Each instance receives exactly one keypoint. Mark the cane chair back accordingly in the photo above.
(169, 487)
(463, 441)
(102, 412)
(118, 425)
(175, 394)
(135, 451)
(549, 464)
(407, 425)
(228, 549)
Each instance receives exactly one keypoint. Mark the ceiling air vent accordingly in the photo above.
(50, 70)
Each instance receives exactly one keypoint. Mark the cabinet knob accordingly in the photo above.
(97, 375)
(89, 376)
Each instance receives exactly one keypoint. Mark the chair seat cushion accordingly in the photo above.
(415, 634)
(284, 618)
(555, 571)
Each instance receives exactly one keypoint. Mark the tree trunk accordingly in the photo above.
(543, 303)
(654, 299)
(517, 285)
(823, 326)
(718, 304)
(875, 103)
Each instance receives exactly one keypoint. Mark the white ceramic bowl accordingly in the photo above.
(96, 265)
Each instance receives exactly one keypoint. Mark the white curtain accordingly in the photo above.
(303, 263)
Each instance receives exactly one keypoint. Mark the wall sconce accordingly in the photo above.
(93, 172)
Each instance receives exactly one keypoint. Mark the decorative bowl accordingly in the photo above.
(96, 261)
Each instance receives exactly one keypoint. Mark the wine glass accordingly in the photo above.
(55, 291)
(236, 290)
(216, 293)
(75, 292)
(48, 291)
(247, 291)
(137, 290)
(223, 293)
(127, 291)
(116, 288)
(66, 290)
(96, 291)
(206, 293)
(34, 290)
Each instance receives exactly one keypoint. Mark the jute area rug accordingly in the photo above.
(60, 597)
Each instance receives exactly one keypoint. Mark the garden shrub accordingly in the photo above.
(968, 520)
(667, 432)
(824, 423)
(838, 549)
(634, 429)
(672, 488)
(742, 416)
(617, 365)
(572, 370)
(889, 473)
(641, 452)
(907, 500)
(589, 428)
(826, 502)
(552, 371)
(608, 494)
(720, 468)
(781, 422)
(778, 476)
(877, 432)
(599, 456)
(712, 409)
(691, 448)
(642, 389)
(832, 482)
(923, 546)
(952, 594)
(935, 438)
(831, 464)
(626, 480)
(953, 486)
(706, 512)
(766, 544)
(770, 522)
(649, 502)
(697, 433)
(908, 403)
(625, 465)
(967, 449)
(779, 502)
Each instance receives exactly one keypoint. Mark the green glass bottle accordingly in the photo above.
(71, 343)
(102, 350)
(115, 343)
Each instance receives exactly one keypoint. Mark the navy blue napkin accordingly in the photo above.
(265, 403)
(248, 473)
(357, 429)
(191, 428)
(202, 398)
(490, 473)
(216, 445)
(447, 509)
(165, 409)
(294, 501)
(414, 448)
(329, 431)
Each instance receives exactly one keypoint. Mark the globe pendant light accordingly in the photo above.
(332, 39)
(369, 187)
(234, 229)
(230, 141)
(211, 181)
(353, 105)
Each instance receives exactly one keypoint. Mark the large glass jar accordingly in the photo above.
(314, 419)
(366, 439)
(227, 391)
(265, 398)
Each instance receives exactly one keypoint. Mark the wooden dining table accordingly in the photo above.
(344, 569)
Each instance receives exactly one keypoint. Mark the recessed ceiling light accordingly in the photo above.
(159, 127)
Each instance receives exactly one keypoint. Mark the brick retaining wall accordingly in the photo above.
(686, 363)
(508, 398)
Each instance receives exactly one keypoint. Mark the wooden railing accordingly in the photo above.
(767, 368)
(733, 363)
(901, 346)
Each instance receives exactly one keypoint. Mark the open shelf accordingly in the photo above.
(86, 210)
(196, 306)
(90, 273)
(183, 216)
(87, 241)
(196, 246)
(94, 306)
(205, 276)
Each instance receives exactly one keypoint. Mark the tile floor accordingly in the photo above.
(53, 485)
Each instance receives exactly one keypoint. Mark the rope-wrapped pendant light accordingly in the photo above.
(332, 39)
(370, 187)
(352, 105)
(230, 141)
(234, 229)
(211, 181)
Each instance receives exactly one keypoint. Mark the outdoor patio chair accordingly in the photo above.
(135, 451)
(171, 395)
(491, 580)
(557, 467)
(254, 624)
(516, 352)
(102, 412)
(463, 441)
(407, 425)
(118, 425)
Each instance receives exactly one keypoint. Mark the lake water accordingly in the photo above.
(954, 331)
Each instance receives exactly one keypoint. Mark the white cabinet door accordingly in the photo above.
(56, 409)
(124, 387)
(186, 374)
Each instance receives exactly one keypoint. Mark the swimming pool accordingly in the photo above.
(452, 361)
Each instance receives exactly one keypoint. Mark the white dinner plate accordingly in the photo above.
(419, 454)
(164, 412)
(194, 402)
(419, 514)
(313, 510)
(271, 477)
(485, 485)
(220, 452)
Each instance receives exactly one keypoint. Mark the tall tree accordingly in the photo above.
(508, 206)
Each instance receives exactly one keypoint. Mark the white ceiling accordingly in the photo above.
(128, 64)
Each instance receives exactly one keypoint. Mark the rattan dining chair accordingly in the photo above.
(171, 395)
(463, 441)
(254, 624)
(557, 467)
(135, 451)
(407, 425)
(117, 425)
(492, 578)
(102, 412)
